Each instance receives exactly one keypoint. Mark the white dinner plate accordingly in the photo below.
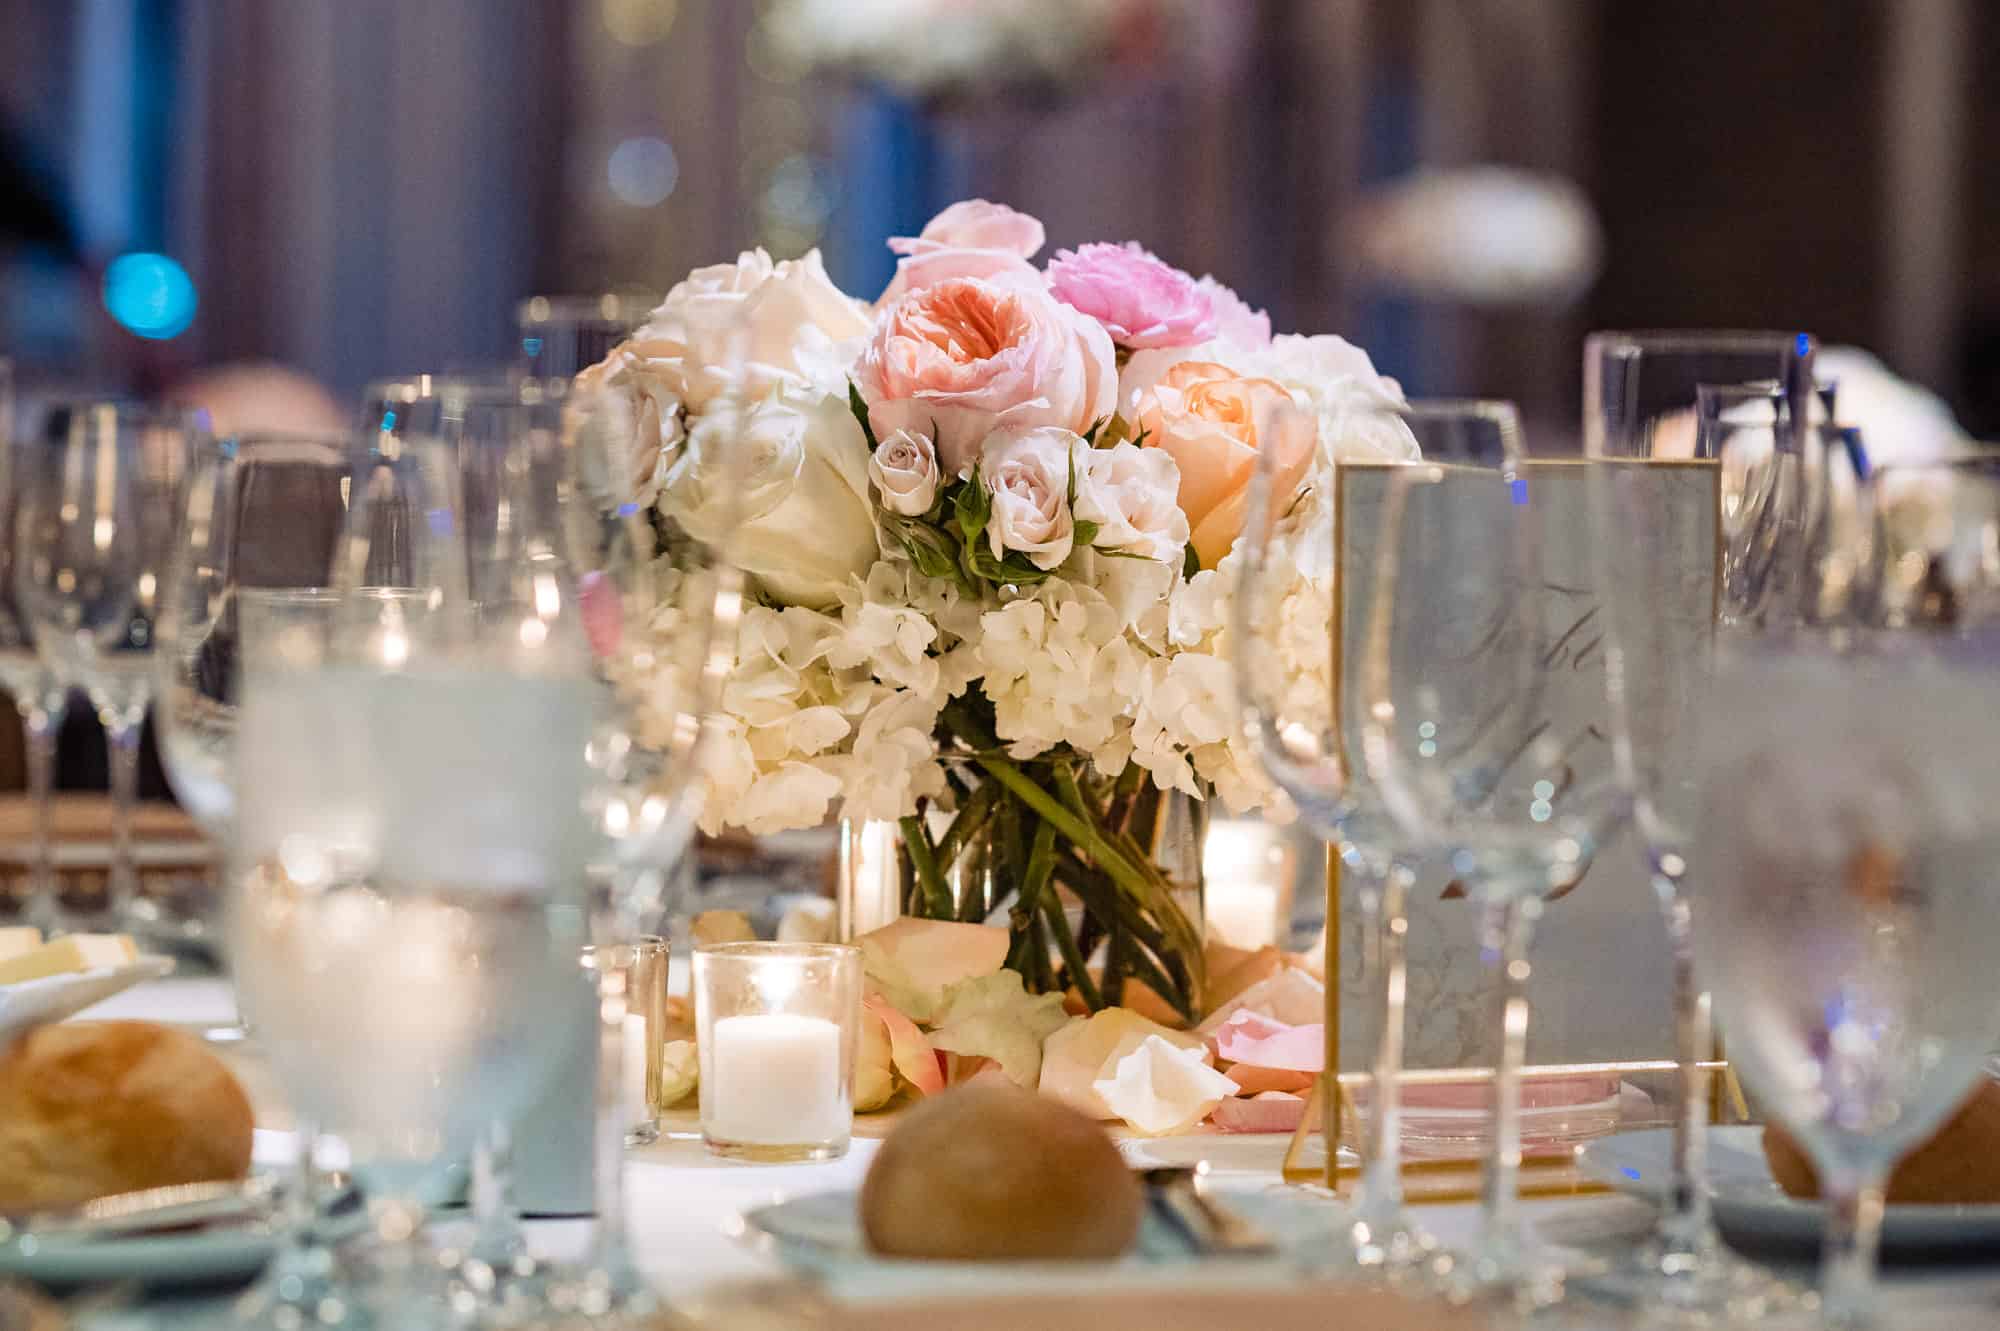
(820, 1235)
(53, 997)
(1754, 1212)
(221, 1255)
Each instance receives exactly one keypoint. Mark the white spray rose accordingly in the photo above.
(904, 469)
(1027, 474)
(789, 469)
(753, 325)
(1130, 493)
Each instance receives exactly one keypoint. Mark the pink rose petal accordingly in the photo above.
(1272, 1112)
(1255, 1080)
(908, 1049)
(1248, 1038)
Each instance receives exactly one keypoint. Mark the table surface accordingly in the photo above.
(683, 1204)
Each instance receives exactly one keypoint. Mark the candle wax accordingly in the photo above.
(776, 1080)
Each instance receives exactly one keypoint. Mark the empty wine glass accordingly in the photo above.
(1660, 506)
(260, 517)
(100, 507)
(1313, 752)
(1846, 916)
(1472, 735)
(38, 698)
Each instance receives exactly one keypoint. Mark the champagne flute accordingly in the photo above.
(38, 698)
(1463, 731)
(1846, 919)
(1315, 759)
(1642, 392)
(91, 546)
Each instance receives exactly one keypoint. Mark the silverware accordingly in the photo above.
(152, 1208)
(1178, 1194)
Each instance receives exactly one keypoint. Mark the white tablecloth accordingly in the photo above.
(683, 1206)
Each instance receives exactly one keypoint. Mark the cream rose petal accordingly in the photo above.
(1160, 1088)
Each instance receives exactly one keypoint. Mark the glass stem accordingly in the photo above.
(610, 1255)
(1506, 926)
(1385, 917)
(122, 739)
(1686, 1227)
(42, 727)
(497, 1238)
(302, 1267)
(1853, 1242)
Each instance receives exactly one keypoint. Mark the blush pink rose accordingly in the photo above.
(970, 357)
(1213, 422)
(1235, 321)
(973, 238)
(1142, 300)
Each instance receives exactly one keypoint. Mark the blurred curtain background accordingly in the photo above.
(361, 187)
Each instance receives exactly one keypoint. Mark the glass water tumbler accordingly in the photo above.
(776, 1030)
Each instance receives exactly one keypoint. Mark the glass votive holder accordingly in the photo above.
(644, 962)
(776, 1026)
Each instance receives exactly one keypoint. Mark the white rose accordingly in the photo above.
(753, 324)
(904, 469)
(1130, 493)
(788, 470)
(1027, 473)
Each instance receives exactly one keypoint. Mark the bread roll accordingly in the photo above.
(90, 1108)
(995, 1173)
(1959, 1166)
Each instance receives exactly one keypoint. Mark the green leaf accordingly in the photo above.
(929, 549)
(1086, 531)
(1139, 439)
(1190, 562)
(995, 1017)
(1115, 431)
(1090, 435)
(860, 410)
(975, 508)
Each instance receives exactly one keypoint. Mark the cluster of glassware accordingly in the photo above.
(1796, 738)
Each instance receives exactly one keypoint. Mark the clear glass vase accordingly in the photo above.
(1098, 880)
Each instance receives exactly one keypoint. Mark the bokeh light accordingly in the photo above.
(639, 22)
(150, 294)
(644, 171)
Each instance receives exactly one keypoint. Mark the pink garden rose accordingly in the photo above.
(1235, 321)
(1142, 300)
(973, 238)
(970, 357)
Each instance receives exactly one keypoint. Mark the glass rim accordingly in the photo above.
(777, 949)
(499, 386)
(1644, 341)
(1498, 409)
(267, 438)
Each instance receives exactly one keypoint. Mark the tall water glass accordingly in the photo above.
(1461, 727)
(1642, 396)
(100, 508)
(38, 698)
(1848, 904)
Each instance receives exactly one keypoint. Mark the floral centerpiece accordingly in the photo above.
(988, 522)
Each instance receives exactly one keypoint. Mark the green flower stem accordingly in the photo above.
(917, 841)
(972, 816)
(1146, 969)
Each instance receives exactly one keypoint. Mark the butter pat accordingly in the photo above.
(15, 941)
(68, 955)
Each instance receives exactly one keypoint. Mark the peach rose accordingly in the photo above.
(1213, 422)
(973, 238)
(970, 357)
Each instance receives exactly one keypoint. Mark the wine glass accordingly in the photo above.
(403, 921)
(1846, 918)
(1654, 532)
(100, 504)
(562, 335)
(248, 576)
(38, 698)
(1313, 753)
(1471, 738)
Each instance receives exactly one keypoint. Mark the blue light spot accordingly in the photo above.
(1630, 1173)
(439, 520)
(1805, 343)
(532, 345)
(149, 294)
(388, 421)
(627, 509)
(1519, 485)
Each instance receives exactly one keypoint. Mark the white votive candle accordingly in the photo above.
(775, 1079)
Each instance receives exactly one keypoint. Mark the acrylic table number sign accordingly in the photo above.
(1602, 975)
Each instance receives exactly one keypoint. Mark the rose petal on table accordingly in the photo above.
(1227, 982)
(994, 1016)
(1290, 996)
(1249, 1037)
(1162, 1088)
(1088, 1049)
(909, 1051)
(680, 1072)
(1273, 1111)
(1252, 1080)
(911, 962)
